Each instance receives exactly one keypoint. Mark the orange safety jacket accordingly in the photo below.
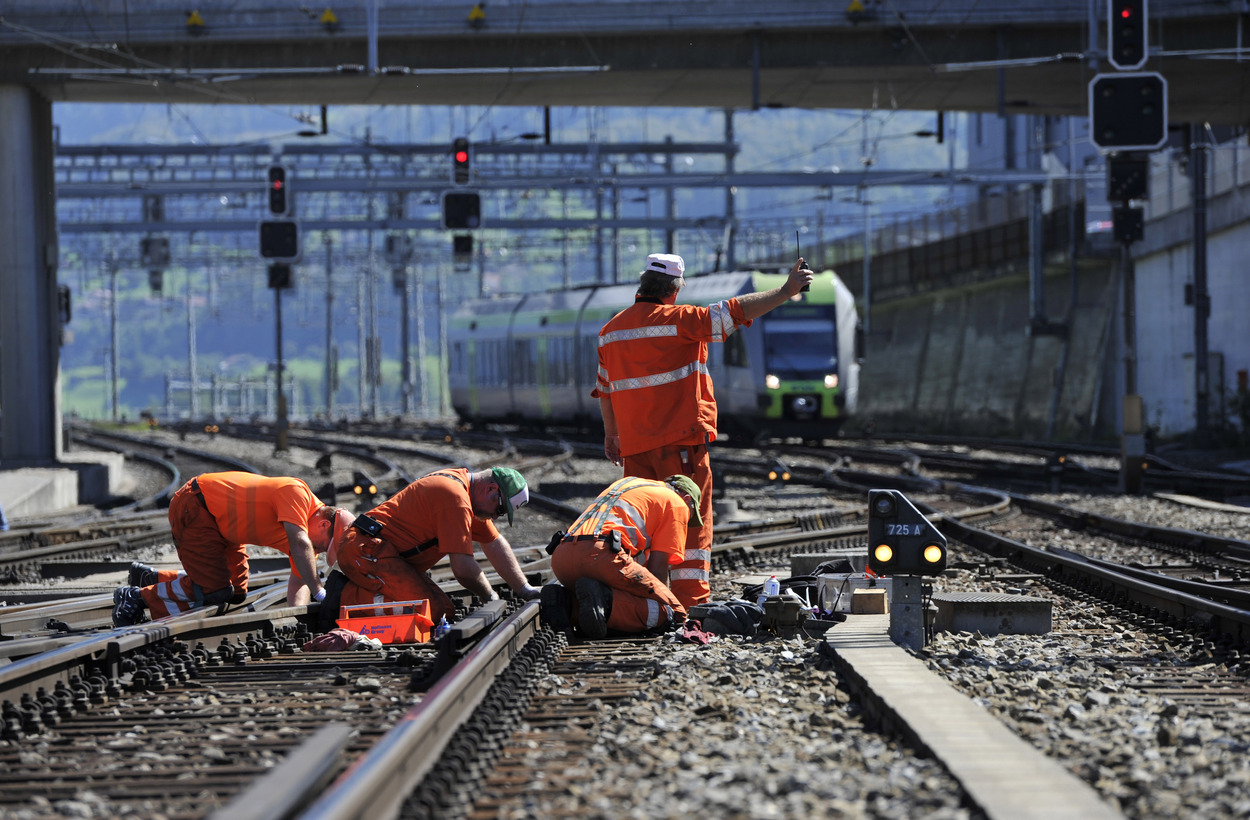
(433, 517)
(648, 514)
(251, 509)
(653, 368)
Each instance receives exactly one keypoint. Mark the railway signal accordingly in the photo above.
(1127, 225)
(460, 161)
(280, 276)
(1126, 33)
(1128, 112)
(462, 210)
(279, 193)
(462, 251)
(901, 541)
(1127, 178)
(363, 486)
(279, 239)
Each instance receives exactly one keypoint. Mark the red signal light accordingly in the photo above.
(277, 185)
(462, 156)
(1126, 13)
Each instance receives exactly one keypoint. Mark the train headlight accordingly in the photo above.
(772, 382)
(831, 381)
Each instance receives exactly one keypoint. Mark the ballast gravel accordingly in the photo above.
(761, 727)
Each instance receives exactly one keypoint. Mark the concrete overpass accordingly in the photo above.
(952, 55)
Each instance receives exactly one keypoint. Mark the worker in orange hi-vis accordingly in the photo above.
(613, 564)
(213, 518)
(655, 392)
(385, 556)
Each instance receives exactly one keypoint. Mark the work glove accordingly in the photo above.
(336, 640)
(528, 592)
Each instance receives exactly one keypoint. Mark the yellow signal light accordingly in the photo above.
(358, 489)
(772, 475)
(932, 553)
(883, 553)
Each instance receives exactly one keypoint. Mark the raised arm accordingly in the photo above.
(755, 305)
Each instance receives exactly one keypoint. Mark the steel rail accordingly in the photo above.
(293, 783)
(1232, 596)
(1081, 573)
(204, 455)
(1191, 540)
(378, 782)
(103, 651)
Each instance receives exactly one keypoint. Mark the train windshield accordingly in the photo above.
(800, 348)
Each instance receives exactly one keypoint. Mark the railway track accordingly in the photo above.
(575, 704)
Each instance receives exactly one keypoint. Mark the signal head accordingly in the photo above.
(460, 160)
(902, 541)
(279, 191)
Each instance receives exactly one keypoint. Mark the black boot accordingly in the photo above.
(594, 602)
(555, 607)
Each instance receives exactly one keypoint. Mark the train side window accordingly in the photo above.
(590, 360)
(496, 360)
(555, 360)
(560, 371)
(736, 350)
(457, 358)
(521, 363)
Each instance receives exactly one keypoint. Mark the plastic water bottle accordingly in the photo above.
(771, 587)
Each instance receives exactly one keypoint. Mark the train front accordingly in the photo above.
(810, 369)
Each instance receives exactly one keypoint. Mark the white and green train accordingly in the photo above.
(532, 359)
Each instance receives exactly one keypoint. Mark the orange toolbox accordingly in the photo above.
(404, 621)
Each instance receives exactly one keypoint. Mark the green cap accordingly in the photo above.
(512, 489)
(685, 484)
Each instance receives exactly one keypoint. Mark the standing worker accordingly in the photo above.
(386, 554)
(655, 393)
(213, 518)
(616, 558)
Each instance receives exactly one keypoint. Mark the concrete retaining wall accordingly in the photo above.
(962, 360)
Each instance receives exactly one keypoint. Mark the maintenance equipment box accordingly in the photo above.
(403, 621)
(835, 592)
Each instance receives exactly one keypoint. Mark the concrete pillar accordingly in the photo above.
(30, 327)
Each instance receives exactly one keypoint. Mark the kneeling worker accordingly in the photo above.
(213, 518)
(385, 556)
(615, 558)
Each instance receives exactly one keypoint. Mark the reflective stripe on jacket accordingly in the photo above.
(648, 514)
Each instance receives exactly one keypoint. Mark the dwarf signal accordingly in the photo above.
(901, 541)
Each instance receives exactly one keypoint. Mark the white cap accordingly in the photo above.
(669, 263)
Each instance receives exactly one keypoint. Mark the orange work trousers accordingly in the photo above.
(639, 601)
(691, 579)
(377, 573)
(215, 570)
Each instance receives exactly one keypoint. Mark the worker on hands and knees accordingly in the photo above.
(386, 555)
(655, 392)
(616, 558)
(213, 518)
